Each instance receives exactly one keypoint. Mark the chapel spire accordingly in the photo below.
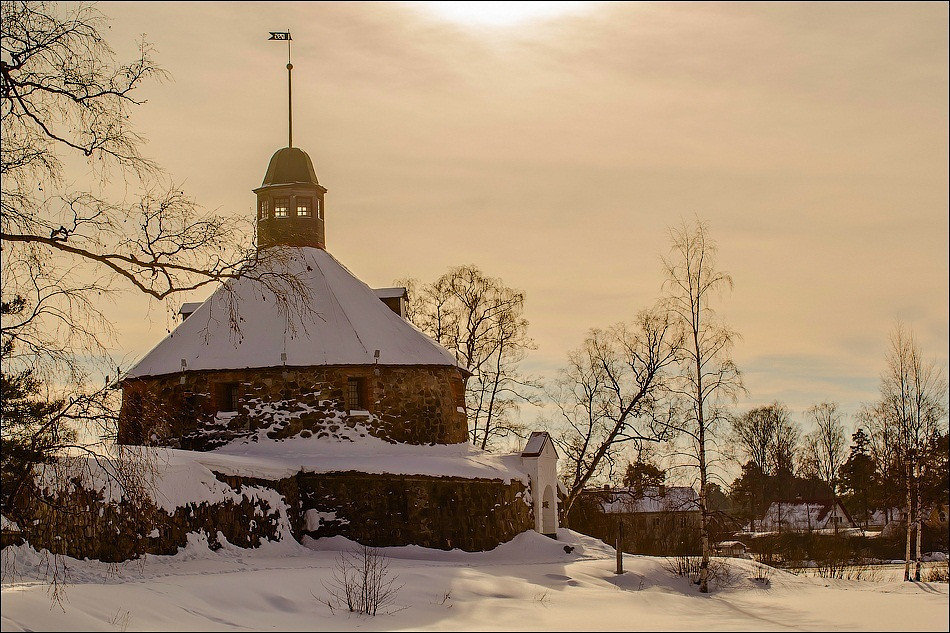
(290, 199)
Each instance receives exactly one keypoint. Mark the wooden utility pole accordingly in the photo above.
(619, 544)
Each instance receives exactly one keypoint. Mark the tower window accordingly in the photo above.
(319, 205)
(265, 209)
(229, 397)
(354, 394)
(303, 207)
(281, 207)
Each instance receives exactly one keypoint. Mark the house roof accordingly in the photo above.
(653, 499)
(347, 324)
(805, 511)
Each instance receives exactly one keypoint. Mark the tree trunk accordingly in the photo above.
(704, 515)
(918, 521)
(910, 524)
(619, 543)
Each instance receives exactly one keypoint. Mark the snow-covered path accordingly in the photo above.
(529, 583)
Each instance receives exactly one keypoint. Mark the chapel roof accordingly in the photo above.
(347, 323)
(536, 443)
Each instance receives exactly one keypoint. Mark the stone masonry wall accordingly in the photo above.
(375, 510)
(406, 404)
(391, 510)
(78, 522)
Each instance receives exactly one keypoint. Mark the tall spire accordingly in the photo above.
(290, 100)
(285, 35)
(290, 200)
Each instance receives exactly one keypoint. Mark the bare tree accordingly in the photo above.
(885, 448)
(826, 447)
(63, 96)
(361, 582)
(481, 320)
(766, 436)
(613, 392)
(914, 410)
(69, 244)
(708, 377)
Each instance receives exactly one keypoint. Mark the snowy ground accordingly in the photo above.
(529, 583)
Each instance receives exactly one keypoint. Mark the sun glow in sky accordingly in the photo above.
(500, 13)
(811, 138)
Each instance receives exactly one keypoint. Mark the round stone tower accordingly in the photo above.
(290, 209)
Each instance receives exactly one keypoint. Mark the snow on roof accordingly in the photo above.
(348, 324)
(390, 293)
(8, 525)
(654, 499)
(536, 443)
(802, 514)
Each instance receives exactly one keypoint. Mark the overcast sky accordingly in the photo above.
(555, 153)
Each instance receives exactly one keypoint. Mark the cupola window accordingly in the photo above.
(303, 207)
(319, 205)
(281, 207)
(265, 209)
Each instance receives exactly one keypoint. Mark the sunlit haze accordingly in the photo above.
(500, 13)
(811, 137)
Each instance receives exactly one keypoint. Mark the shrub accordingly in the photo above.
(361, 582)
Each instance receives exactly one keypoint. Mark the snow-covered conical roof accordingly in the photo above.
(348, 323)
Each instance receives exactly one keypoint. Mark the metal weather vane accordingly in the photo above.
(285, 36)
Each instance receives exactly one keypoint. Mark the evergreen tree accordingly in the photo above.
(858, 481)
(641, 476)
(29, 433)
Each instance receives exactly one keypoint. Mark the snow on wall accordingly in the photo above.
(349, 324)
(278, 459)
(173, 478)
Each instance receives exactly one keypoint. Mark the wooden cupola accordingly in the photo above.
(290, 208)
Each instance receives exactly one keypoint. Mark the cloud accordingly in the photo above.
(813, 138)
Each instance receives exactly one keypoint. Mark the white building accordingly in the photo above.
(539, 461)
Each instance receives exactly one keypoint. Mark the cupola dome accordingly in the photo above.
(290, 209)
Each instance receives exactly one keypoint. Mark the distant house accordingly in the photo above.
(938, 517)
(878, 519)
(732, 549)
(800, 515)
(653, 503)
(658, 520)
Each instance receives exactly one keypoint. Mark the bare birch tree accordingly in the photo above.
(69, 242)
(613, 392)
(913, 398)
(708, 377)
(481, 320)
